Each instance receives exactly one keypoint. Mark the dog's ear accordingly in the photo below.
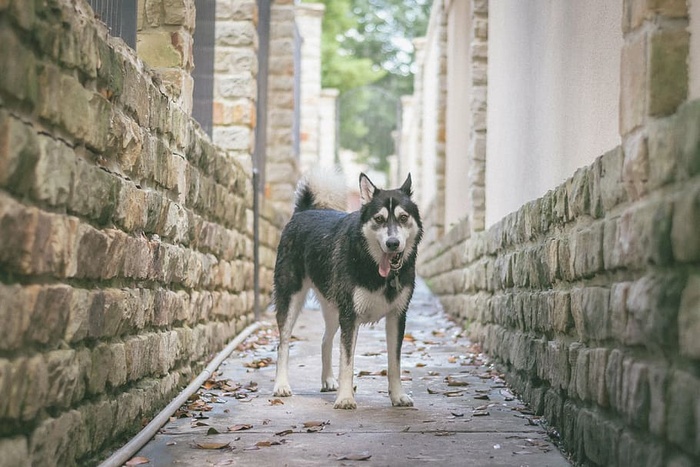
(367, 189)
(406, 187)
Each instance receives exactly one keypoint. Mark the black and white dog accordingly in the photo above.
(362, 267)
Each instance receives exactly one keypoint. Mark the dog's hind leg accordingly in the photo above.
(348, 338)
(395, 327)
(288, 309)
(331, 318)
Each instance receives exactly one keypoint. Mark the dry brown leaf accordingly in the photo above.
(212, 445)
(240, 427)
(312, 423)
(284, 433)
(420, 365)
(212, 431)
(138, 461)
(276, 401)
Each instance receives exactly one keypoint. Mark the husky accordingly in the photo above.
(361, 266)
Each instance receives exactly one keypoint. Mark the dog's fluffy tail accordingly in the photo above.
(321, 189)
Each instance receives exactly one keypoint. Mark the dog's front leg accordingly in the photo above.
(395, 327)
(348, 338)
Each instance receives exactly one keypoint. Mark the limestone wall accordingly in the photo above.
(126, 252)
(589, 298)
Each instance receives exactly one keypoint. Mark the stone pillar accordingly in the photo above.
(477, 107)
(164, 41)
(327, 121)
(309, 17)
(235, 74)
(281, 167)
(653, 79)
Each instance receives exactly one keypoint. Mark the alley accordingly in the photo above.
(463, 413)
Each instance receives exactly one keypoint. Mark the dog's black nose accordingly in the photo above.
(393, 243)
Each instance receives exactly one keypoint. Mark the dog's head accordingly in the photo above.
(390, 223)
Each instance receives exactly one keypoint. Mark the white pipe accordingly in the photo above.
(126, 452)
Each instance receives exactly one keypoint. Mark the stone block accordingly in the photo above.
(582, 367)
(668, 70)
(92, 252)
(19, 78)
(614, 379)
(78, 322)
(644, 235)
(54, 244)
(59, 441)
(591, 313)
(578, 193)
(688, 133)
(635, 393)
(633, 84)
(612, 190)
(636, 451)
(652, 306)
(587, 250)
(685, 241)
(658, 377)
(681, 406)
(618, 309)
(689, 319)
(19, 149)
(16, 305)
(66, 378)
(635, 167)
(600, 437)
(51, 309)
(597, 365)
(15, 451)
(237, 33)
(94, 193)
(35, 388)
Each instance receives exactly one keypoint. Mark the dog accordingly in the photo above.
(361, 266)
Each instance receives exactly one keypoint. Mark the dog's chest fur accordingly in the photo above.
(373, 305)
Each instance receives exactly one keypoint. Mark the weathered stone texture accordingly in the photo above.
(588, 297)
(126, 246)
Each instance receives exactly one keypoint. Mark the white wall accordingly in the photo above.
(458, 116)
(429, 116)
(694, 7)
(553, 99)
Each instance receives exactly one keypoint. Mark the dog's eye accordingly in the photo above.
(403, 218)
(379, 219)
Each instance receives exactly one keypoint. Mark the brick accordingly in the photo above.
(668, 70)
(689, 319)
(685, 242)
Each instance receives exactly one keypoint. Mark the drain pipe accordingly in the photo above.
(126, 452)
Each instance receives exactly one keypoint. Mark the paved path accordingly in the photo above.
(463, 414)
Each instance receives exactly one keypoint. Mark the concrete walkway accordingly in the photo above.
(463, 413)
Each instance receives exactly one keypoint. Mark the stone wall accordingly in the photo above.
(589, 299)
(126, 252)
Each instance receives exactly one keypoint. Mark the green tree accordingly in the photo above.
(368, 43)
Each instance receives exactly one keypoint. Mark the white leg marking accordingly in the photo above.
(330, 316)
(398, 396)
(282, 387)
(346, 396)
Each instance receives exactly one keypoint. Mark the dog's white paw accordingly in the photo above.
(347, 403)
(329, 385)
(402, 400)
(282, 390)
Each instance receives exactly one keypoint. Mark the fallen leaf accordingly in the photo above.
(482, 397)
(316, 423)
(138, 461)
(259, 363)
(480, 413)
(444, 433)
(420, 365)
(284, 433)
(362, 456)
(212, 431)
(408, 337)
(241, 427)
(212, 445)
(276, 401)
(171, 443)
(267, 444)
(457, 414)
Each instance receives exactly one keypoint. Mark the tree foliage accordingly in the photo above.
(368, 43)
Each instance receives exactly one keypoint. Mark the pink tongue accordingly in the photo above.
(384, 266)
